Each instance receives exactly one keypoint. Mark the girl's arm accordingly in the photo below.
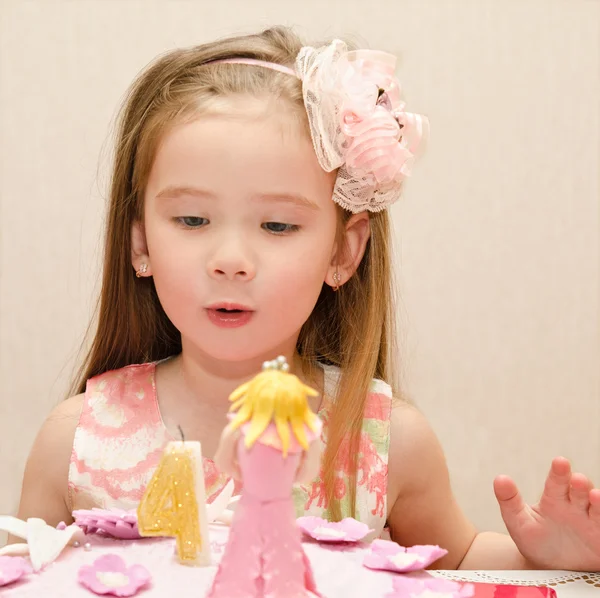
(494, 551)
(45, 484)
(424, 510)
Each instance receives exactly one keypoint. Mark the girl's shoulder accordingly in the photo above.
(44, 492)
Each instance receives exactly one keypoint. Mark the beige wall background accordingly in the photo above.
(498, 234)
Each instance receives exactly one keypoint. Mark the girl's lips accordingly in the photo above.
(229, 306)
(229, 317)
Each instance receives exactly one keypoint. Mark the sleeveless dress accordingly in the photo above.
(121, 436)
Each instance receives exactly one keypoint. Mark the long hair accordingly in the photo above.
(351, 329)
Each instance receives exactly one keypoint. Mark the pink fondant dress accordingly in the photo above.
(264, 556)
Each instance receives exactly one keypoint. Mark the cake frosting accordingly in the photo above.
(338, 569)
(341, 570)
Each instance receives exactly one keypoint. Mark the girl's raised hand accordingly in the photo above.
(561, 531)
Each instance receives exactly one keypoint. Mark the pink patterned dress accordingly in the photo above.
(121, 436)
(264, 554)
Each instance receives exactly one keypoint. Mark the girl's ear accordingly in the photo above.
(140, 260)
(349, 251)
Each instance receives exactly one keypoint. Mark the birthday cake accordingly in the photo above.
(148, 568)
(342, 564)
(151, 563)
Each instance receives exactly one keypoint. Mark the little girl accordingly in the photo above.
(248, 219)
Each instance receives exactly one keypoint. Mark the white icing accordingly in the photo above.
(218, 507)
(112, 579)
(44, 542)
(404, 559)
(329, 532)
(14, 526)
(15, 550)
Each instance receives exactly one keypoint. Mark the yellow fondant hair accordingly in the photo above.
(274, 396)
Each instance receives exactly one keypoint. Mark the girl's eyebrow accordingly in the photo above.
(293, 198)
(175, 191)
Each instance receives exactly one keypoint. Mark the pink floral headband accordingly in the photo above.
(357, 121)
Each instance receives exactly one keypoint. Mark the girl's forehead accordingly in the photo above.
(267, 151)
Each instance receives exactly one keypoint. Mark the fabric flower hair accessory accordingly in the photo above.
(110, 575)
(390, 556)
(346, 530)
(359, 124)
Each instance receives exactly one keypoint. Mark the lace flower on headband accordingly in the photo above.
(358, 123)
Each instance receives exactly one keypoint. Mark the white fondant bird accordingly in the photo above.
(44, 542)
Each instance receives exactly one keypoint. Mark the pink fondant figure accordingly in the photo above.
(271, 442)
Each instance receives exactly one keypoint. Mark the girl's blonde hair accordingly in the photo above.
(274, 396)
(351, 329)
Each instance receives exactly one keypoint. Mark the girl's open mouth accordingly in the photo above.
(230, 316)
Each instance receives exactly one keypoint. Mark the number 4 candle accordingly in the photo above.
(174, 503)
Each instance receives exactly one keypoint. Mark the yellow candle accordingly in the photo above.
(174, 503)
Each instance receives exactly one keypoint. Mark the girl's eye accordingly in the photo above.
(192, 221)
(279, 228)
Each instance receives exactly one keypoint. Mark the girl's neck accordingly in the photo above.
(211, 381)
(193, 392)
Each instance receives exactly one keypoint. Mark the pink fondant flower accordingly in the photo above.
(429, 587)
(12, 568)
(110, 575)
(114, 522)
(346, 530)
(390, 556)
